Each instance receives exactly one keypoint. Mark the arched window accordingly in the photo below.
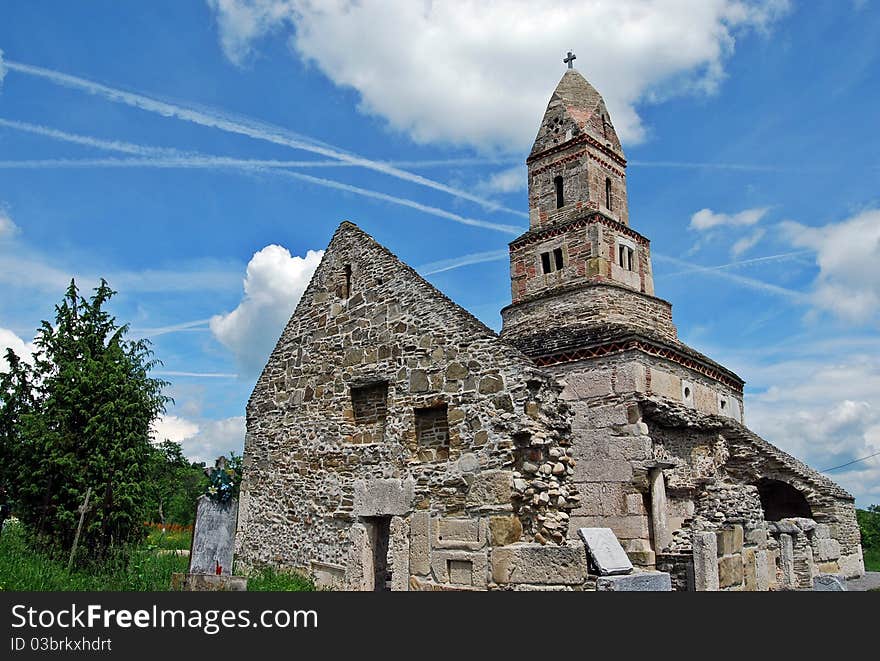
(560, 195)
(608, 194)
(780, 500)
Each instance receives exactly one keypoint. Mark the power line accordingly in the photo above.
(854, 461)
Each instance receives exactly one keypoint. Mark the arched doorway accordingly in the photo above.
(780, 500)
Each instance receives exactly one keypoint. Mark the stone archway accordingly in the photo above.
(780, 500)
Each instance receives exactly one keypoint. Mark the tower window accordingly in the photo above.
(560, 195)
(545, 262)
(625, 257)
(344, 287)
(557, 258)
(608, 194)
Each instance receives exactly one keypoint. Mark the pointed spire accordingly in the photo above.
(575, 107)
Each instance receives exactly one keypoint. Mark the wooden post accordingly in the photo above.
(82, 515)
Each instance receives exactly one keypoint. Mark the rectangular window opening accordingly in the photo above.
(432, 426)
(370, 406)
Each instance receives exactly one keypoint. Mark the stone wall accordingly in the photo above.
(595, 304)
(469, 450)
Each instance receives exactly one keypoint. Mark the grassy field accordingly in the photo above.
(145, 569)
(872, 560)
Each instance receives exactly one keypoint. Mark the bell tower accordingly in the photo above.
(579, 235)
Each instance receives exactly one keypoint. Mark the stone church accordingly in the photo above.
(395, 442)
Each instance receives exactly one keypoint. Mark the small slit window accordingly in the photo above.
(557, 258)
(625, 257)
(608, 194)
(545, 262)
(560, 194)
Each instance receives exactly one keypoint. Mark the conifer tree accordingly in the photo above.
(85, 422)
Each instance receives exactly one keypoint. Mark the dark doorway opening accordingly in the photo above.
(379, 528)
(780, 500)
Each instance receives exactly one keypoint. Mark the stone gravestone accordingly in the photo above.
(605, 551)
(213, 537)
(213, 543)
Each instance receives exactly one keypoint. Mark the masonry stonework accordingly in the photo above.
(395, 442)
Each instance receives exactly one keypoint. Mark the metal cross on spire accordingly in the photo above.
(571, 58)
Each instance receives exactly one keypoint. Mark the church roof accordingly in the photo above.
(575, 108)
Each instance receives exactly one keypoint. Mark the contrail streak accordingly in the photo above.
(462, 260)
(254, 166)
(145, 150)
(244, 126)
(737, 279)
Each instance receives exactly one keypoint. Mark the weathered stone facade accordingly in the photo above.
(395, 442)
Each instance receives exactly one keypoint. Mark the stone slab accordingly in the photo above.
(605, 551)
(383, 497)
(829, 583)
(539, 565)
(208, 583)
(655, 581)
(705, 545)
(213, 537)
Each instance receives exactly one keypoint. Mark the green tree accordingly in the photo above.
(86, 424)
(174, 485)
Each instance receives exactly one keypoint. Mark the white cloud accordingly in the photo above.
(510, 180)
(424, 66)
(273, 285)
(22, 349)
(825, 410)
(203, 440)
(2, 68)
(705, 219)
(746, 243)
(8, 228)
(848, 255)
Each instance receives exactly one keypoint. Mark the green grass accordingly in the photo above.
(172, 539)
(270, 580)
(27, 569)
(872, 560)
(24, 568)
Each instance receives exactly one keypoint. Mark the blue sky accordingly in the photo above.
(199, 155)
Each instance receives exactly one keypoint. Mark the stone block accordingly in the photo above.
(757, 536)
(504, 530)
(831, 567)
(398, 554)
(208, 583)
(631, 377)
(826, 549)
(852, 565)
(539, 565)
(420, 543)
(762, 570)
(383, 497)
(491, 487)
(730, 571)
(705, 548)
(468, 568)
(786, 562)
(624, 527)
(635, 504)
(829, 583)
(665, 384)
(750, 570)
(603, 470)
(730, 540)
(606, 553)
(460, 533)
(587, 384)
(327, 575)
(654, 581)
(822, 531)
(600, 499)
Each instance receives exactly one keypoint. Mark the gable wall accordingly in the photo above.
(306, 456)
